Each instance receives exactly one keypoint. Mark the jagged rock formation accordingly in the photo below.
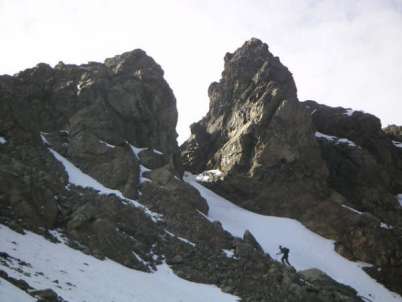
(116, 123)
(275, 162)
(367, 171)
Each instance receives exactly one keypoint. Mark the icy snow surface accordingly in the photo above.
(79, 178)
(335, 139)
(85, 278)
(11, 293)
(307, 249)
(2, 140)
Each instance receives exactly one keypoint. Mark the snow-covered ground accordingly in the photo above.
(79, 178)
(307, 249)
(11, 293)
(2, 140)
(81, 278)
(335, 139)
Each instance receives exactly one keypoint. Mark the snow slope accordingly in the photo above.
(307, 249)
(81, 278)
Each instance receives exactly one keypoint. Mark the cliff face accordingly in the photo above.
(301, 160)
(90, 151)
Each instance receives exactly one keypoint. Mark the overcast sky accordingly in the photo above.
(342, 52)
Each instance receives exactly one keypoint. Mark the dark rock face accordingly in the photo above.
(369, 176)
(93, 105)
(265, 143)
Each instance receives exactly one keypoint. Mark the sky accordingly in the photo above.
(341, 52)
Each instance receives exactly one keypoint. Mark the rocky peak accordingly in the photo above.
(253, 104)
(135, 63)
(250, 67)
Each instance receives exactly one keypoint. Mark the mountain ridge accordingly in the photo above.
(89, 160)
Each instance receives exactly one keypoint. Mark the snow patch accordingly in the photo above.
(352, 209)
(157, 151)
(180, 238)
(136, 150)
(2, 140)
(386, 226)
(397, 144)
(85, 278)
(83, 84)
(335, 139)
(399, 197)
(108, 145)
(142, 171)
(307, 249)
(209, 176)
(79, 178)
(229, 254)
(44, 140)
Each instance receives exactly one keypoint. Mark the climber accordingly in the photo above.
(285, 252)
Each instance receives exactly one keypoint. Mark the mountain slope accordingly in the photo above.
(333, 169)
(90, 172)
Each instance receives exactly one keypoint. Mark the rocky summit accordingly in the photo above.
(96, 206)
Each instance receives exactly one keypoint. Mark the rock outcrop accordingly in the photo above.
(301, 160)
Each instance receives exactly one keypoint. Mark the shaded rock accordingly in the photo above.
(319, 278)
(152, 160)
(249, 238)
(46, 295)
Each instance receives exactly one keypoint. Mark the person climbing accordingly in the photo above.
(285, 252)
